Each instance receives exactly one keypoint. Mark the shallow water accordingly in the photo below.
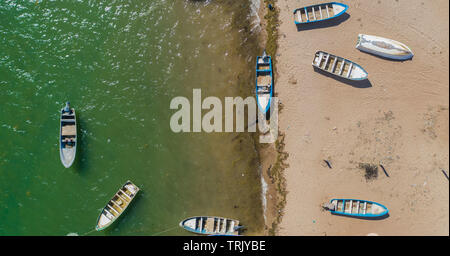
(120, 64)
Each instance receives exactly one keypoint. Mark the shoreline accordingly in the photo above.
(271, 156)
(399, 122)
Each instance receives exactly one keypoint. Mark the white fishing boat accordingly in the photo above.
(206, 225)
(339, 66)
(117, 205)
(67, 136)
(383, 47)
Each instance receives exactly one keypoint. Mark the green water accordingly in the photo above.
(120, 63)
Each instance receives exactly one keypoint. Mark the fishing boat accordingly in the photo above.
(264, 82)
(357, 208)
(383, 47)
(205, 225)
(117, 205)
(319, 12)
(68, 136)
(338, 66)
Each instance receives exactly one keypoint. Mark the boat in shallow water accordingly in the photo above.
(206, 225)
(357, 208)
(383, 47)
(319, 12)
(339, 66)
(67, 136)
(264, 82)
(117, 205)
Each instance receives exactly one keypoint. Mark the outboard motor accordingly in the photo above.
(264, 56)
(67, 108)
(238, 227)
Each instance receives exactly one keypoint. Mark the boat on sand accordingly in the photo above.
(338, 66)
(356, 208)
(383, 47)
(319, 12)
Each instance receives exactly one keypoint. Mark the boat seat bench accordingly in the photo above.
(69, 130)
(334, 65)
(326, 61)
(342, 67)
(299, 15)
(349, 70)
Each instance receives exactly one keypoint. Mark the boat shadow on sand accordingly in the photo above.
(363, 218)
(323, 24)
(357, 84)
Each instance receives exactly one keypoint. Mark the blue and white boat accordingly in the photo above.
(205, 225)
(67, 136)
(357, 208)
(264, 82)
(339, 66)
(319, 12)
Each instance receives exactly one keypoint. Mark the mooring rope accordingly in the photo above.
(154, 234)
(88, 232)
(167, 230)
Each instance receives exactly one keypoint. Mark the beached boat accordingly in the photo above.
(67, 136)
(338, 66)
(357, 208)
(117, 205)
(319, 12)
(264, 82)
(205, 225)
(383, 47)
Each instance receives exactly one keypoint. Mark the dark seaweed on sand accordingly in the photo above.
(371, 171)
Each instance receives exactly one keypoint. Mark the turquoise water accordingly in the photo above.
(120, 63)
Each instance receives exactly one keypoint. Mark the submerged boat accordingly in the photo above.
(264, 82)
(319, 12)
(383, 47)
(205, 225)
(338, 66)
(357, 208)
(117, 205)
(68, 136)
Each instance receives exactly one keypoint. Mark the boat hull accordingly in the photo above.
(68, 137)
(358, 208)
(209, 225)
(339, 66)
(383, 47)
(318, 12)
(264, 82)
(117, 205)
(68, 156)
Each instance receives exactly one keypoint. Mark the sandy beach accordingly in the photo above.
(399, 119)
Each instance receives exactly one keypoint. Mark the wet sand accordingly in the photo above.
(398, 118)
